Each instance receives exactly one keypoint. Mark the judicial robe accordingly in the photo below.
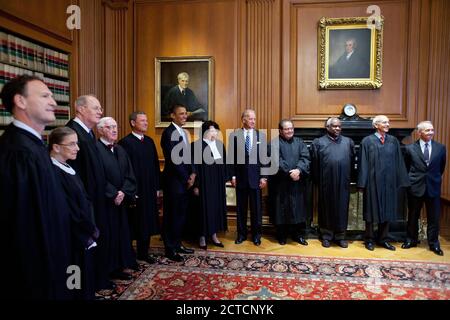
(211, 176)
(331, 170)
(287, 196)
(82, 226)
(89, 168)
(382, 174)
(34, 220)
(143, 219)
(119, 177)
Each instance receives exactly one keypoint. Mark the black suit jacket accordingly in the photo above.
(247, 174)
(425, 178)
(175, 176)
(189, 100)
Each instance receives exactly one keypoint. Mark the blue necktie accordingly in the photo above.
(247, 142)
(426, 154)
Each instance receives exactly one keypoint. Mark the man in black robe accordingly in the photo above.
(382, 174)
(287, 188)
(332, 157)
(35, 222)
(178, 178)
(120, 193)
(143, 219)
(89, 167)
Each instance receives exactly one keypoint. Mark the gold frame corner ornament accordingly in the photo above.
(374, 81)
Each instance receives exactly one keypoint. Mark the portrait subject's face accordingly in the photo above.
(288, 130)
(334, 129)
(349, 46)
(69, 147)
(183, 82)
(382, 126)
(140, 125)
(92, 112)
(179, 116)
(249, 120)
(427, 133)
(109, 131)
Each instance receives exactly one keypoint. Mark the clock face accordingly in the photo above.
(349, 110)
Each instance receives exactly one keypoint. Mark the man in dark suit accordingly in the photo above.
(425, 162)
(182, 95)
(89, 166)
(245, 167)
(352, 63)
(178, 178)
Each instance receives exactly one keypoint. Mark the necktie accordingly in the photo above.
(382, 139)
(247, 143)
(142, 139)
(110, 146)
(426, 154)
(91, 133)
(183, 92)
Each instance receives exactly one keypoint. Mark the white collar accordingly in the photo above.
(77, 120)
(180, 130)
(137, 135)
(64, 167)
(21, 125)
(106, 143)
(422, 143)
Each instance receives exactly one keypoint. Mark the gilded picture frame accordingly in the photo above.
(350, 53)
(197, 96)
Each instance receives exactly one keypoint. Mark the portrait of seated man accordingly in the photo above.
(353, 63)
(180, 94)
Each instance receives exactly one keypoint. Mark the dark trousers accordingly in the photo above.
(327, 234)
(142, 247)
(174, 218)
(433, 206)
(243, 197)
(383, 232)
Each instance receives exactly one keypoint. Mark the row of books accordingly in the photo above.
(20, 52)
(59, 88)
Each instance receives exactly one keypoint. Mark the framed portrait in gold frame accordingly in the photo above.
(187, 81)
(350, 53)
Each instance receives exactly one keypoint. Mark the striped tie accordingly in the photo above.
(247, 143)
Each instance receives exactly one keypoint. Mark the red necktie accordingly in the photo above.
(382, 139)
(142, 139)
(110, 146)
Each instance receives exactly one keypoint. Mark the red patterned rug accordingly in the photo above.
(217, 275)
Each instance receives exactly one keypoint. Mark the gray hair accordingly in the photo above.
(330, 120)
(103, 121)
(82, 101)
(378, 119)
(133, 115)
(183, 75)
(246, 112)
(421, 125)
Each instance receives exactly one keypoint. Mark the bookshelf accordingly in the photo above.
(21, 55)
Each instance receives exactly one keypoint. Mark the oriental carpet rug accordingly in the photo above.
(215, 275)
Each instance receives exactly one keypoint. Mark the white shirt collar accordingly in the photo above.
(106, 143)
(21, 125)
(77, 120)
(137, 135)
(181, 89)
(213, 146)
(64, 167)
(349, 55)
(422, 143)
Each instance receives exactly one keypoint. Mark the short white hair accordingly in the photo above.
(421, 125)
(82, 101)
(103, 121)
(330, 120)
(183, 75)
(246, 112)
(379, 118)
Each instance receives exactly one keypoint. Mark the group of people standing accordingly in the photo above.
(80, 201)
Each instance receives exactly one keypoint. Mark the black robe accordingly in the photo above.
(34, 220)
(382, 174)
(89, 167)
(331, 170)
(119, 177)
(143, 219)
(287, 197)
(83, 230)
(210, 213)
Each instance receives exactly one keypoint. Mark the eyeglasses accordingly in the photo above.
(71, 145)
(110, 127)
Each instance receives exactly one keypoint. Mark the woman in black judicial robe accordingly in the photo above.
(119, 177)
(209, 157)
(63, 145)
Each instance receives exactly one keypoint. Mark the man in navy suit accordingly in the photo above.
(178, 178)
(246, 175)
(425, 161)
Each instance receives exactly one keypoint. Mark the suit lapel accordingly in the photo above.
(419, 151)
(434, 151)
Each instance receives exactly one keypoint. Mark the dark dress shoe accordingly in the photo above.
(148, 259)
(408, 244)
(240, 238)
(302, 241)
(388, 246)
(342, 243)
(205, 247)
(183, 249)
(282, 241)
(326, 243)
(437, 250)
(369, 246)
(218, 244)
(174, 256)
(257, 241)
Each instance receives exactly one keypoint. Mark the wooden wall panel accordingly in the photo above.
(187, 28)
(48, 15)
(396, 98)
